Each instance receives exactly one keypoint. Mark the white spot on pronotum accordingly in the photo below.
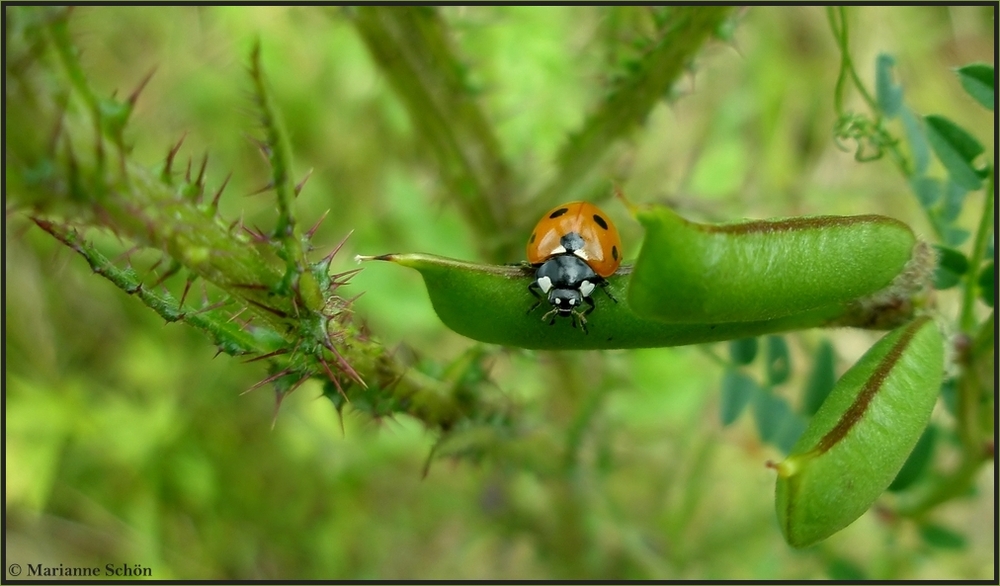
(581, 253)
(559, 249)
(586, 288)
(545, 284)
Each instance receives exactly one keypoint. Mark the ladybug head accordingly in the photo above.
(565, 301)
(567, 282)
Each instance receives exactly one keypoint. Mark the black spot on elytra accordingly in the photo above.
(614, 252)
(601, 221)
(532, 239)
(558, 212)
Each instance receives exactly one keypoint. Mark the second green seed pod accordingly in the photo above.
(861, 436)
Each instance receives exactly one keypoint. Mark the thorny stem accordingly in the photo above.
(277, 152)
(411, 47)
(297, 276)
(58, 28)
(227, 335)
(630, 103)
(302, 329)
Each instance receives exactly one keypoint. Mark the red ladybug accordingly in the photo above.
(573, 247)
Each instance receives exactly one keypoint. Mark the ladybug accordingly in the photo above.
(573, 247)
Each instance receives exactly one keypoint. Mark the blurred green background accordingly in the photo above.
(127, 442)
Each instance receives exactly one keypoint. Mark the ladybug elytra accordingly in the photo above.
(573, 247)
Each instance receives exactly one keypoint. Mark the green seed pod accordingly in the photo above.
(490, 303)
(861, 436)
(761, 270)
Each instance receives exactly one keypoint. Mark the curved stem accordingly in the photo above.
(840, 35)
(967, 319)
(951, 486)
(837, 16)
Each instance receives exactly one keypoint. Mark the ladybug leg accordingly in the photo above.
(533, 289)
(551, 312)
(590, 307)
(583, 320)
(604, 287)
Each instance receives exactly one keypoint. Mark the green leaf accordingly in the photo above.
(789, 432)
(978, 80)
(743, 351)
(917, 140)
(770, 412)
(955, 236)
(951, 235)
(764, 269)
(859, 439)
(986, 284)
(927, 189)
(737, 389)
(779, 362)
(916, 464)
(777, 423)
(941, 537)
(490, 303)
(956, 149)
(954, 197)
(952, 264)
(821, 379)
(888, 94)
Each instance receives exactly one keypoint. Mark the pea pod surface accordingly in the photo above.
(490, 303)
(761, 270)
(861, 435)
